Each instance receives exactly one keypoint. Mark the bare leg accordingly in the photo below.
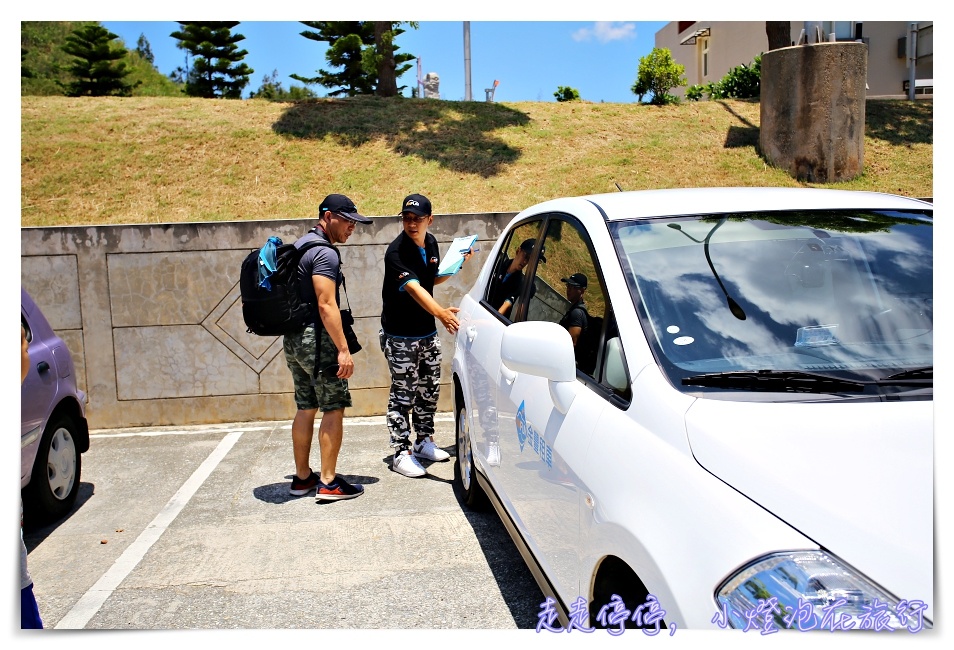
(303, 431)
(330, 433)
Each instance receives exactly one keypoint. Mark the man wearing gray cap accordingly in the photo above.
(318, 357)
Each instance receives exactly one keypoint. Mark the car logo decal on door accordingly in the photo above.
(526, 432)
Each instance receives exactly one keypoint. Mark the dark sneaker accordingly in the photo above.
(338, 490)
(302, 486)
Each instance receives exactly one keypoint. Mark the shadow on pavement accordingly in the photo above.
(516, 583)
(277, 493)
(36, 530)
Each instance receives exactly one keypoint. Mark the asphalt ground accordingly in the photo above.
(193, 528)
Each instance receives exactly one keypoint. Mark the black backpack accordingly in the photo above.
(275, 307)
(588, 343)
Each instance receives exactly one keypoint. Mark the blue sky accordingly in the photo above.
(529, 58)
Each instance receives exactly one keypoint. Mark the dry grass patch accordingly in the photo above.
(139, 160)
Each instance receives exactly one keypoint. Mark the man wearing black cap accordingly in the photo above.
(409, 337)
(322, 343)
(508, 281)
(575, 319)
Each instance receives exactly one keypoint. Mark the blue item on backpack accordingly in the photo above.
(267, 262)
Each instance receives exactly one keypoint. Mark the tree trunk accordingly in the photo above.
(387, 81)
(779, 34)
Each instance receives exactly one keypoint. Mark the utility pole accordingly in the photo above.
(467, 95)
(912, 59)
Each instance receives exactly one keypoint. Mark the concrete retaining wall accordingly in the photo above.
(152, 315)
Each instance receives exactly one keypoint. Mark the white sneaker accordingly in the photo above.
(404, 463)
(493, 454)
(427, 449)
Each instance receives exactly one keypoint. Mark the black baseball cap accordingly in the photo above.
(575, 280)
(527, 247)
(342, 206)
(416, 204)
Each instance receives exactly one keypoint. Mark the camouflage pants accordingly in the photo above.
(325, 393)
(415, 366)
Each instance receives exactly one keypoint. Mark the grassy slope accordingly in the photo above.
(164, 159)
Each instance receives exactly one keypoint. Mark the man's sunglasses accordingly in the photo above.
(410, 218)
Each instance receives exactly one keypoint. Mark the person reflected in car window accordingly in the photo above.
(575, 319)
(29, 612)
(508, 282)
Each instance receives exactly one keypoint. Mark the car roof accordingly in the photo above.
(721, 200)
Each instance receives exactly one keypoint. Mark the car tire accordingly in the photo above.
(464, 470)
(54, 484)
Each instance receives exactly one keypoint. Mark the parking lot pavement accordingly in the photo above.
(194, 528)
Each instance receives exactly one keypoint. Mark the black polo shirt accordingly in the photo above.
(403, 263)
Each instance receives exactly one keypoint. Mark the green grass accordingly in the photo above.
(167, 159)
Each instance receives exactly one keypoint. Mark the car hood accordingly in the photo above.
(855, 477)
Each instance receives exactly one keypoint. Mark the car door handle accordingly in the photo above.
(471, 334)
(42, 367)
(509, 375)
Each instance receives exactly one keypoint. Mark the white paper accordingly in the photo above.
(455, 255)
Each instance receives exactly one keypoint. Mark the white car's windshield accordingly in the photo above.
(777, 297)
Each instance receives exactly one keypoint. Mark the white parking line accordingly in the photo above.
(90, 603)
(171, 432)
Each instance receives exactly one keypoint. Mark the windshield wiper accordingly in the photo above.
(923, 375)
(791, 381)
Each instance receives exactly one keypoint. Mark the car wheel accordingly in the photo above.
(471, 492)
(54, 484)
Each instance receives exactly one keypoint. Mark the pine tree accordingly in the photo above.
(366, 54)
(96, 68)
(144, 49)
(383, 61)
(216, 68)
(346, 40)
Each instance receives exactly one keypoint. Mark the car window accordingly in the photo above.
(569, 290)
(843, 292)
(508, 281)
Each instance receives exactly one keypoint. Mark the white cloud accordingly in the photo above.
(605, 32)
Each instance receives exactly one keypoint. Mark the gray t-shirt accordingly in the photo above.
(318, 260)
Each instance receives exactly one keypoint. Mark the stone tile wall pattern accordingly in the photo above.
(152, 315)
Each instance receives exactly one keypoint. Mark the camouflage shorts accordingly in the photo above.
(327, 394)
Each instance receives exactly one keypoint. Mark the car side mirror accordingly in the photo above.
(543, 349)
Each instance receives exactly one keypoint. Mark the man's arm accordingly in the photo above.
(331, 319)
(446, 315)
(576, 323)
(574, 333)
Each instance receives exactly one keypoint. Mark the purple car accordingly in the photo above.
(53, 427)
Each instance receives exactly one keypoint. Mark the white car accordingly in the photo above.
(742, 435)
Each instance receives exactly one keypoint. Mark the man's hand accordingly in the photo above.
(448, 319)
(345, 365)
(444, 314)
